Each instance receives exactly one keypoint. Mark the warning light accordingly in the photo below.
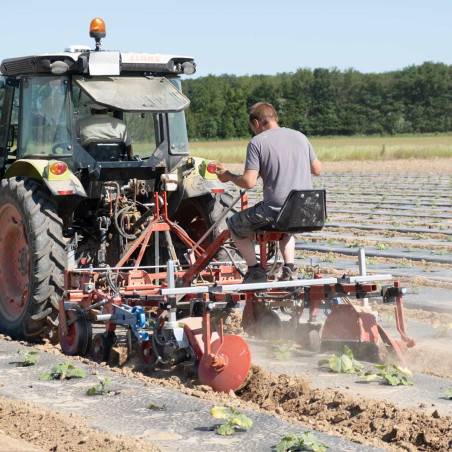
(97, 28)
(58, 168)
(97, 31)
(212, 167)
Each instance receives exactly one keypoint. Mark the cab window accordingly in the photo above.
(45, 126)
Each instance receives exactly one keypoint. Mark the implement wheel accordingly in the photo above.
(79, 337)
(147, 353)
(101, 348)
(32, 259)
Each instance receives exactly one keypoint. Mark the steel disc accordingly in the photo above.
(231, 376)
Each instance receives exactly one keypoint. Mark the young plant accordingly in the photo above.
(234, 420)
(283, 352)
(448, 393)
(99, 388)
(382, 246)
(64, 371)
(443, 329)
(345, 364)
(154, 407)
(354, 244)
(305, 441)
(30, 357)
(390, 374)
(328, 258)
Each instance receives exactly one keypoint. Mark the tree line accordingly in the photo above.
(416, 99)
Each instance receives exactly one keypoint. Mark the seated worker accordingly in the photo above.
(285, 160)
(100, 126)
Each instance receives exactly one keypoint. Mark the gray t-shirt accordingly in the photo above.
(283, 159)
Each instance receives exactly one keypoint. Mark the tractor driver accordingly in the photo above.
(285, 160)
(100, 126)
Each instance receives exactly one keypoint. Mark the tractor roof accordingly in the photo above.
(94, 62)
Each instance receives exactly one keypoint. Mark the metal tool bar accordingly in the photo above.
(360, 279)
(145, 267)
(248, 287)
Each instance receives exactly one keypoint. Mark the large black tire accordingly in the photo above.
(197, 215)
(32, 259)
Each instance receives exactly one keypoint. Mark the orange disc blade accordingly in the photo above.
(231, 376)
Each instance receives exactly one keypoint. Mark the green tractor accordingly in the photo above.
(65, 206)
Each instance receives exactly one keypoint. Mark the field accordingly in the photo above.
(400, 212)
(343, 148)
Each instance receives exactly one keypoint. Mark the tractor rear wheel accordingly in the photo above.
(32, 259)
(197, 215)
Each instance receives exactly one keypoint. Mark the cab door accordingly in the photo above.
(9, 109)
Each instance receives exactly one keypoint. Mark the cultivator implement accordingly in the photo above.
(174, 313)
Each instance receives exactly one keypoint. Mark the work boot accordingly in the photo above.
(255, 275)
(288, 274)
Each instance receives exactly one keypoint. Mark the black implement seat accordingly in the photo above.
(107, 151)
(302, 211)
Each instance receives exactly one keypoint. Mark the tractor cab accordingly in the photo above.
(43, 97)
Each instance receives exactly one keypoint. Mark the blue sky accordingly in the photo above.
(243, 37)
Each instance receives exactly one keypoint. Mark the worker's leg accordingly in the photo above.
(241, 226)
(246, 249)
(287, 246)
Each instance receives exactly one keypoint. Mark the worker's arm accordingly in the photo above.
(316, 167)
(247, 180)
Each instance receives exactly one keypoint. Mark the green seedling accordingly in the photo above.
(330, 242)
(448, 393)
(391, 319)
(354, 244)
(154, 407)
(234, 420)
(328, 258)
(370, 261)
(420, 236)
(390, 374)
(305, 441)
(410, 249)
(285, 351)
(427, 268)
(300, 255)
(30, 357)
(383, 246)
(99, 388)
(443, 329)
(402, 263)
(345, 364)
(64, 371)
(395, 224)
(440, 252)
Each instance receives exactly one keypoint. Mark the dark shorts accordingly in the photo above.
(241, 224)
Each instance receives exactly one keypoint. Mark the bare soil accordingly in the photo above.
(29, 427)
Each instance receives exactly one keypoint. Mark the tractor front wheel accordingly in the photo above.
(32, 259)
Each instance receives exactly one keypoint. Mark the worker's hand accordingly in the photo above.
(222, 173)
